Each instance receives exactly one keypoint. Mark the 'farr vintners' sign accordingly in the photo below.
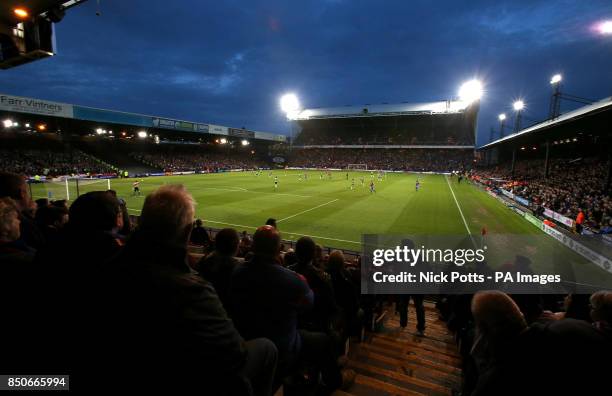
(35, 106)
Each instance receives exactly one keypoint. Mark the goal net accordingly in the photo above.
(357, 167)
(53, 190)
(66, 188)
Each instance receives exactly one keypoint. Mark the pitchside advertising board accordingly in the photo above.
(20, 104)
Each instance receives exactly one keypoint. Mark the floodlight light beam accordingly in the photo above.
(289, 103)
(518, 105)
(471, 91)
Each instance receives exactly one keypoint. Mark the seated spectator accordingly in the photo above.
(345, 292)
(12, 251)
(272, 222)
(322, 315)
(217, 267)
(266, 301)
(50, 220)
(17, 295)
(497, 347)
(601, 310)
(14, 186)
(199, 235)
(167, 323)
(69, 273)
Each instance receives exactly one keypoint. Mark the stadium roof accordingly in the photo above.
(582, 112)
(378, 110)
(39, 107)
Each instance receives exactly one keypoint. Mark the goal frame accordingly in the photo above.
(357, 167)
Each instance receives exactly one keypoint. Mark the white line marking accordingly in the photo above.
(460, 211)
(308, 210)
(286, 232)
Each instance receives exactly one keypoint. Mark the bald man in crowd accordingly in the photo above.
(168, 322)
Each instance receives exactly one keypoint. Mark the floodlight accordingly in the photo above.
(501, 117)
(41, 127)
(223, 141)
(245, 142)
(27, 125)
(142, 134)
(99, 131)
(470, 91)
(15, 124)
(518, 105)
(7, 123)
(605, 27)
(289, 103)
(556, 79)
(21, 13)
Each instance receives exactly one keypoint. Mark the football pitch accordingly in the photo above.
(336, 216)
(333, 214)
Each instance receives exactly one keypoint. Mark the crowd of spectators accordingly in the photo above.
(199, 162)
(429, 160)
(42, 162)
(237, 321)
(573, 186)
(532, 344)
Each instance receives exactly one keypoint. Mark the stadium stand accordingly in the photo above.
(36, 155)
(574, 185)
(427, 160)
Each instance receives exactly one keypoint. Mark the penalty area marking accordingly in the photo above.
(307, 210)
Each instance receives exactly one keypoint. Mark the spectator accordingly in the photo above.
(14, 186)
(267, 299)
(50, 220)
(217, 267)
(169, 321)
(601, 309)
(199, 235)
(345, 292)
(12, 252)
(497, 348)
(321, 317)
(272, 222)
(69, 272)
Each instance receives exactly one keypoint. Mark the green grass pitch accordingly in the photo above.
(332, 213)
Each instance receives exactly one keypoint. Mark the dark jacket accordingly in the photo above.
(266, 299)
(164, 318)
(31, 234)
(218, 269)
(199, 236)
(321, 317)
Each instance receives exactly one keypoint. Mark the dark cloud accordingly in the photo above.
(228, 62)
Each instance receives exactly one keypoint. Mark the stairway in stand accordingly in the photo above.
(396, 361)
